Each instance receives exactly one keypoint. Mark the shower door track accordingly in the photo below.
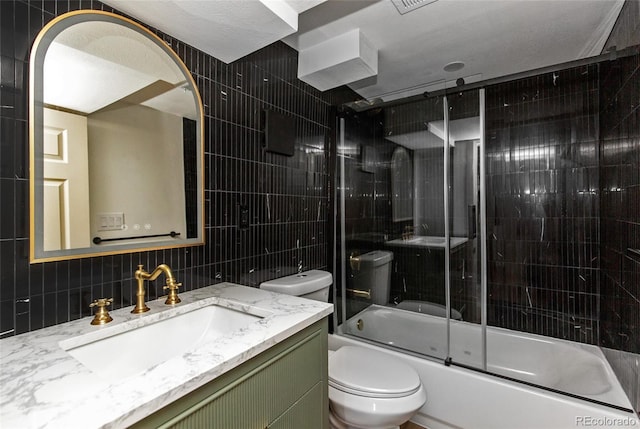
(609, 56)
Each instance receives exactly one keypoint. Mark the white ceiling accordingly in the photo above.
(433, 137)
(226, 29)
(104, 55)
(492, 37)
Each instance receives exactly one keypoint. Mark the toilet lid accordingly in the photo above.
(367, 372)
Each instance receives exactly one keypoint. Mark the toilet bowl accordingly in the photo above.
(367, 389)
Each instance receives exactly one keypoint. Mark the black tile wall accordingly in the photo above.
(620, 204)
(367, 190)
(563, 184)
(286, 196)
(543, 204)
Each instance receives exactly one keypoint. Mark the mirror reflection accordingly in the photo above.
(116, 141)
(401, 185)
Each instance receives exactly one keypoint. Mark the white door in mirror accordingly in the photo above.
(66, 181)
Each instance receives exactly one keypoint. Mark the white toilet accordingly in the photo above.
(374, 274)
(368, 389)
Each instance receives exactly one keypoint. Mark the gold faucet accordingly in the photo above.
(141, 275)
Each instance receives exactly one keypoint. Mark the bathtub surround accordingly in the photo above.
(563, 222)
(543, 204)
(549, 157)
(286, 196)
(620, 219)
(562, 152)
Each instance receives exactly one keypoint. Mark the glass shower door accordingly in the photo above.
(465, 232)
(390, 199)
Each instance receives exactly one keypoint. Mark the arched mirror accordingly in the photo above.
(116, 153)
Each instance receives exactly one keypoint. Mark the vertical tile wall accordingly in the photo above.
(543, 204)
(366, 174)
(620, 196)
(620, 219)
(286, 196)
(367, 192)
(551, 190)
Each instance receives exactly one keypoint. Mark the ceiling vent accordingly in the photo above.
(405, 6)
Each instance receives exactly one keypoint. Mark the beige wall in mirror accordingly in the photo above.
(116, 126)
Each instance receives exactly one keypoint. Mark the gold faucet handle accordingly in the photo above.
(172, 285)
(102, 302)
(172, 297)
(102, 315)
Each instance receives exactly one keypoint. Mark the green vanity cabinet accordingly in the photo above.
(285, 387)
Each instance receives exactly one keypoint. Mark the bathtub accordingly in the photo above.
(458, 397)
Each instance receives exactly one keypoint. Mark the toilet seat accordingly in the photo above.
(368, 373)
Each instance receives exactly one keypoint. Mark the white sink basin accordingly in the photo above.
(131, 352)
(427, 241)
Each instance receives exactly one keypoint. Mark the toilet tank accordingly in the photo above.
(374, 275)
(312, 284)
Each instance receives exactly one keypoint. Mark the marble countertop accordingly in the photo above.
(42, 386)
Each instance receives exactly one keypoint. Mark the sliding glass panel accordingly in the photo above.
(464, 131)
(394, 248)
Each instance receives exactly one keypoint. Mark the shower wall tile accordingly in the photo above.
(543, 203)
(366, 192)
(287, 197)
(620, 202)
